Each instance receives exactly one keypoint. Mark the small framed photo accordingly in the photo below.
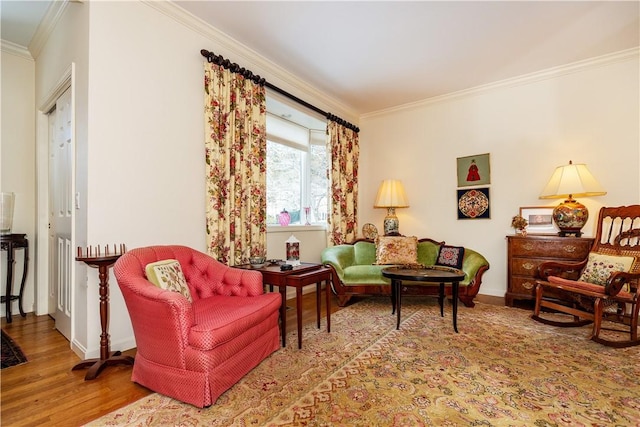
(473, 170)
(540, 219)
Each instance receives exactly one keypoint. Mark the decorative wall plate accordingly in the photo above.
(369, 231)
(473, 204)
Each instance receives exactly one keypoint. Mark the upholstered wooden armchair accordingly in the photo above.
(603, 287)
(208, 327)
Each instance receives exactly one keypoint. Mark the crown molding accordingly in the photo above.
(47, 25)
(15, 49)
(248, 58)
(549, 73)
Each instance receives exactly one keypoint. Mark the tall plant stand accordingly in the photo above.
(107, 358)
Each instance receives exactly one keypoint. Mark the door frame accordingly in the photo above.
(67, 81)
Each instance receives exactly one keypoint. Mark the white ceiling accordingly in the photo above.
(372, 55)
(20, 20)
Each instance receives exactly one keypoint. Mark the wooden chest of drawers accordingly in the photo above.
(526, 253)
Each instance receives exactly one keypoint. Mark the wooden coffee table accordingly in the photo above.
(427, 276)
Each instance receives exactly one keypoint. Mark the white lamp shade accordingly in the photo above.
(572, 180)
(391, 195)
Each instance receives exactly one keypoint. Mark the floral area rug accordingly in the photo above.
(502, 369)
(12, 354)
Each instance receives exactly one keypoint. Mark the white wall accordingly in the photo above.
(145, 164)
(17, 159)
(313, 239)
(589, 114)
(66, 45)
(139, 131)
(139, 128)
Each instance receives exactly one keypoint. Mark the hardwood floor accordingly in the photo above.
(45, 391)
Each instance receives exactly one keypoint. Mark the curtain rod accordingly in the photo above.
(235, 68)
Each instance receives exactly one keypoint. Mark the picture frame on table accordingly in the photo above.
(473, 170)
(540, 219)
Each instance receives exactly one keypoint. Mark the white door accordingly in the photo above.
(60, 209)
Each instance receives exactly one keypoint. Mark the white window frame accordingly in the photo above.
(305, 150)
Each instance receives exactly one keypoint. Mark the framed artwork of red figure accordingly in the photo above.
(473, 170)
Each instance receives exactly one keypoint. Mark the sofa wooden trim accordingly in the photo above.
(345, 292)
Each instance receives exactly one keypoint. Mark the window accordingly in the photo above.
(297, 166)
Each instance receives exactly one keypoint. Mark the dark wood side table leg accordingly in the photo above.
(10, 262)
(25, 267)
(283, 314)
(299, 314)
(327, 290)
(441, 299)
(318, 302)
(454, 291)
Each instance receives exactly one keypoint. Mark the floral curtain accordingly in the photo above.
(235, 155)
(343, 177)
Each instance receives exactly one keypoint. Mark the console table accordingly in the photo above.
(9, 243)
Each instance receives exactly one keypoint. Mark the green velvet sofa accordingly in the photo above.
(355, 272)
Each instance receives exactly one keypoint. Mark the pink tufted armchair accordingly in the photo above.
(194, 351)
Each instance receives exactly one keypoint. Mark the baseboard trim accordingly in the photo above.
(489, 299)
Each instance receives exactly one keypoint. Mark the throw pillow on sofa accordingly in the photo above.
(398, 250)
(450, 256)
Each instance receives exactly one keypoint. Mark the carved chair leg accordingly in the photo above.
(536, 310)
(577, 307)
(635, 310)
(538, 305)
(598, 308)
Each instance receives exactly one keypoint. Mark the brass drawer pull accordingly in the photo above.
(527, 285)
(570, 249)
(528, 266)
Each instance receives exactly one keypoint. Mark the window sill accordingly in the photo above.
(290, 228)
